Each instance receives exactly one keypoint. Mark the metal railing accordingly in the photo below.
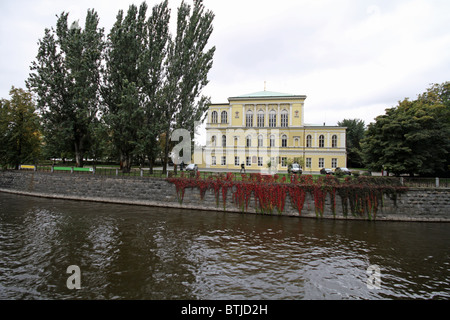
(420, 182)
(417, 182)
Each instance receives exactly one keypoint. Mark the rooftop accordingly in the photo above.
(266, 94)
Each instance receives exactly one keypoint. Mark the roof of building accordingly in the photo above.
(265, 94)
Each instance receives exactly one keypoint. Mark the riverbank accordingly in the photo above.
(417, 204)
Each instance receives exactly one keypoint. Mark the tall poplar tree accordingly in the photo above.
(187, 66)
(124, 79)
(153, 64)
(66, 78)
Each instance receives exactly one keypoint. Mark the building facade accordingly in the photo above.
(266, 132)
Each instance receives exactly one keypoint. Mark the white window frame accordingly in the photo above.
(334, 163)
(284, 141)
(308, 162)
(249, 119)
(214, 117)
(224, 117)
(284, 119)
(272, 119)
(321, 163)
(260, 161)
(260, 119)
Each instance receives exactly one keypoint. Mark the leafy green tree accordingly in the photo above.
(4, 133)
(19, 129)
(413, 137)
(66, 78)
(125, 77)
(155, 44)
(187, 66)
(354, 134)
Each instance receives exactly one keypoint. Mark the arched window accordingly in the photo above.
(248, 140)
(321, 141)
(334, 141)
(284, 118)
(308, 141)
(214, 117)
(249, 119)
(272, 119)
(260, 140)
(284, 141)
(224, 117)
(272, 141)
(213, 141)
(224, 141)
(260, 119)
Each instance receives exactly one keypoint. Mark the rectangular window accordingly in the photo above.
(308, 162)
(321, 163)
(334, 163)
(248, 161)
(213, 160)
(273, 162)
(260, 161)
(284, 161)
(224, 161)
(236, 161)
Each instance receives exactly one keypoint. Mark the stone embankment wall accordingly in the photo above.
(420, 204)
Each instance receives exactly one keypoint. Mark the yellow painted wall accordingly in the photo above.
(296, 132)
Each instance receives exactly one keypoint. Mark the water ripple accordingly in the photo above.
(148, 253)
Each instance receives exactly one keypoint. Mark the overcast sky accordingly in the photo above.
(351, 58)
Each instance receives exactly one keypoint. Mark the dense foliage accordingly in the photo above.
(131, 89)
(354, 134)
(19, 129)
(413, 137)
(362, 196)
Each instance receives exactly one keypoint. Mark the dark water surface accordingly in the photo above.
(132, 252)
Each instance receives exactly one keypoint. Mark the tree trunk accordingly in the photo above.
(166, 152)
(78, 156)
(126, 163)
(150, 164)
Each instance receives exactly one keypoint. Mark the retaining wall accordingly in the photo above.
(419, 204)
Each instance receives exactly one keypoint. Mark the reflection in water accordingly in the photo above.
(127, 252)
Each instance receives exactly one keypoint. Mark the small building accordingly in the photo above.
(266, 129)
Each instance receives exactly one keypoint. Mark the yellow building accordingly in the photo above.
(264, 127)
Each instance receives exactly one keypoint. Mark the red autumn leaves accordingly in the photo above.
(362, 195)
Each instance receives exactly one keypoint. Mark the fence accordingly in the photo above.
(425, 182)
(414, 182)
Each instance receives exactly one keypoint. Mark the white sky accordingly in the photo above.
(351, 58)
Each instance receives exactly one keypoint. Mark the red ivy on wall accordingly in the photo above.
(362, 195)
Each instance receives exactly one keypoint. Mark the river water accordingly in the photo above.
(132, 252)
